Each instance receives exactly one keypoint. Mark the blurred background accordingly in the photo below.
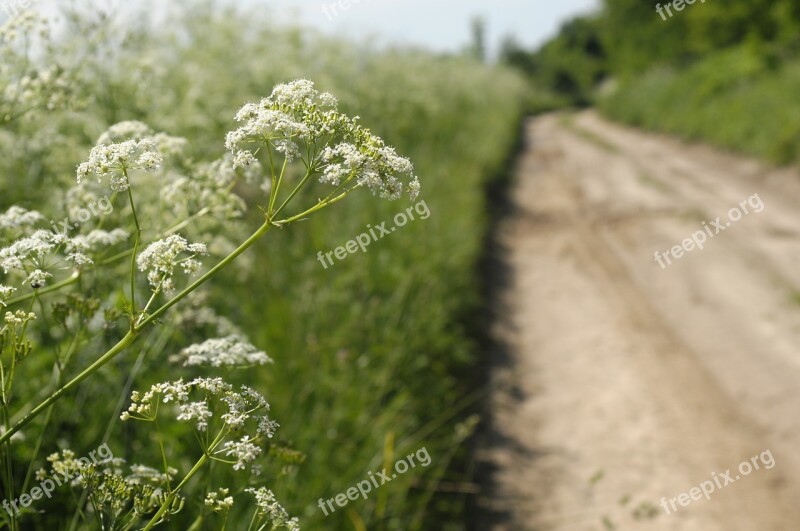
(398, 348)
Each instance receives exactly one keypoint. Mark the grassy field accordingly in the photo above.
(374, 354)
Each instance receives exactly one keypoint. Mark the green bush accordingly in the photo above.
(740, 99)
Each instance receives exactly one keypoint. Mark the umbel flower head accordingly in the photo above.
(127, 146)
(210, 403)
(35, 256)
(115, 160)
(16, 217)
(272, 512)
(300, 122)
(162, 257)
(5, 294)
(230, 351)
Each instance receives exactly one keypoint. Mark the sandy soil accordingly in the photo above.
(627, 383)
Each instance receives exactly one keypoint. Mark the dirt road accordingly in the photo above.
(627, 382)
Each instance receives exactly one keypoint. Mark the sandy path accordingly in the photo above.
(627, 382)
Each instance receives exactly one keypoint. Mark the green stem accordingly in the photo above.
(47, 289)
(297, 188)
(203, 279)
(75, 277)
(130, 337)
(135, 250)
(318, 206)
(57, 394)
(171, 497)
(173, 494)
(276, 190)
(40, 440)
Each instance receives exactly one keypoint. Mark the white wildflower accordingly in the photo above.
(5, 294)
(196, 411)
(289, 149)
(37, 278)
(19, 318)
(243, 159)
(219, 501)
(97, 239)
(171, 146)
(115, 160)
(21, 23)
(161, 257)
(228, 351)
(267, 427)
(371, 164)
(16, 217)
(79, 259)
(33, 248)
(288, 114)
(413, 189)
(244, 451)
(122, 131)
(143, 406)
(269, 508)
(246, 407)
(141, 474)
(297, 113)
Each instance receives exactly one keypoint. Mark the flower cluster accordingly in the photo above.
(209, 187)
(161, 257)
(115, 160)
(117, 496)
(297, 119)
(372, 164)
(19, 318)
(219, 501)
(16, 217)
(98, 239)
(135, 130)
(291, 114)
(31, 254)
(230, 351)
(24, 23)
(49, 89)
(122, 131)
(243, 450)
(241, 407)
(65, 464)
(272, 511)
(5, 294)
(141, 474)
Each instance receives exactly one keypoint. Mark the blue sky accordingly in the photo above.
(435, 24)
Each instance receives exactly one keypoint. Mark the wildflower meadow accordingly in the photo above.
(166, 186)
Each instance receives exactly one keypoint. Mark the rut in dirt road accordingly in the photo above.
(629, 383)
